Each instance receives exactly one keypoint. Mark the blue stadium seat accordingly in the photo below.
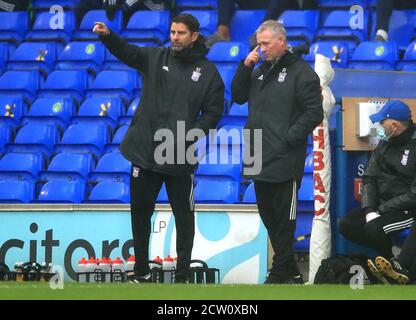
(163, 195)
(65, 84)
(112, 63)
(306, 194)
(237, 116)
(104, 111)
(39, 56)
(409, 60)
(228, 55)
(300, 24)
(20, 83)
(62, 191)
(84, 138)
(5, 135)
(196, 4)
(12, 110)
(250, 195)
(229, 167)
(21, 166)
(335, 50)
(336, 27)
(35, 138)
(227, 76)
(309, 163)
(244, 23)
(53, 111)
(375, 56)
(111, 167)
(112, 83)
(229, 135)
(87, 24)
(47, 4)
(207, 20)
(303, 228)
(346, 4)
(217, 190)
(13, 26)
(148, 26)
(69, 166)
(6, 51)
(16, 191)
(110, 192)
(82, 56)
(42, 30)
(118, 137)
(126, 119)
(239, 109)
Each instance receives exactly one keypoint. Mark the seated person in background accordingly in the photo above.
(401, 270)
(127, 6)
(389, 184)
(384, 10)
(274, 9)
(14, 5)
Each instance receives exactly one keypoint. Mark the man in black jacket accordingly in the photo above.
(181, 91)
(284, 101)
(389, 183)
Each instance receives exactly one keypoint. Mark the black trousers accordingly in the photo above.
(277, 204)
(407, 256)
(144, 189)
(386, 7)
(375, 234)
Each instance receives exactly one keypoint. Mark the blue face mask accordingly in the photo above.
(381, 133)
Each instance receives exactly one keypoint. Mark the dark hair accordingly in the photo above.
(189, 20)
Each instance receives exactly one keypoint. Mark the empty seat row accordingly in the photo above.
(73, 84)
(209, 190)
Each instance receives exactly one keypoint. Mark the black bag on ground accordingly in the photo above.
(341, 268)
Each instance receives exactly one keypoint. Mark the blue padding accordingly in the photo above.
(55, 111)
(84, 138)
(110, 192)
(16, 191)
(148, 25)
(244, 23)
(35, 138)
(375, 56)
(42, 30)
(88, 21)
(70, 166)
(81, 55)
(111, 167)
(62, 191)
(300, 24)
(217, 190)
(13, 26)
(21, 166)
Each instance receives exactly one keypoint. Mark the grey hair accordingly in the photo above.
(274, 26)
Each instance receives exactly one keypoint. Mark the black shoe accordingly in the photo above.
(134, 278)
(273, 278)
(297, 279)
(392, 270)
(376, 272)
(181, 279)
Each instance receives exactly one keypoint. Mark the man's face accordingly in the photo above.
(271, 45)
(390, 127)
(181, 37)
